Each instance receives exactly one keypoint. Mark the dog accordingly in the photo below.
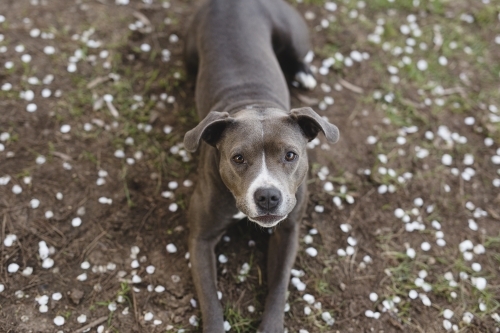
(253, 157)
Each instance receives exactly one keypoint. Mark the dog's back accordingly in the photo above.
(233, 47)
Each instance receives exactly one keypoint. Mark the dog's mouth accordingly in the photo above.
(268, 220)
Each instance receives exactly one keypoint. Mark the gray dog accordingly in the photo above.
(253, 155)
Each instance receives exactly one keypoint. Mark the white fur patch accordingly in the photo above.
(268, 225)
(264, 179)
(239, 216)
(306, 80)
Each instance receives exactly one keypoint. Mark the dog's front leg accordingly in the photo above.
(207, 226)
(281, 256)
(203, 267)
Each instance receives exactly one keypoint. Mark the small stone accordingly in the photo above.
(76, 222)
(330, 6)
(171, 248)
(422, 65)
(173, 207)
(448, 314)
(59, 320)
(469, 121)
(13, 268)
(446, 159)
(312, 251)
(382, 189)
(371, 140)
(119, 153)
(479, 282)
(425, 300)
(308, 298)
(441, 242)
(308, 239)
(328, 187)
(465, 245)
(16, 189)
(49, 50)
(81, 319)
(76, 296)
(468, 159)
(345, 227)
(112, 306)
(410, 253)
(327, 318)
(479, 249)
(27, 271)
(82, 277)
(399, 213)
(65, 128)
(467, 318)
(9, 240)
(47, 263)
(443, 61)
(26, 58)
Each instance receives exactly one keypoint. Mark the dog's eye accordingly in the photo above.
(238, 159)
(290, 156)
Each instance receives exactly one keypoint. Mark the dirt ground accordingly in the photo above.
(403, 211)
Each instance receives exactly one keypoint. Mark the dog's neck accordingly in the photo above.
(251, 104)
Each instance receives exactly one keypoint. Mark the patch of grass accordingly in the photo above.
(123, 176)
(89, 156)
(239, 323)
(492, 241)
(124, 292)
(66, 314)
(486, 15)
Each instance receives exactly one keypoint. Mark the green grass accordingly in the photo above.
(239, 322)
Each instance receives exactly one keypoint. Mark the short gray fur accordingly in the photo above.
(242, 52)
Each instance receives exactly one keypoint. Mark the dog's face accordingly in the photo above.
(263, 158)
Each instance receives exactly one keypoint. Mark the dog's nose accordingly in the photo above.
(267, 198)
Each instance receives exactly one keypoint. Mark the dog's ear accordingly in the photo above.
(312, 123)
(209, 129)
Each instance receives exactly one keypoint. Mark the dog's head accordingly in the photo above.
(263, 158)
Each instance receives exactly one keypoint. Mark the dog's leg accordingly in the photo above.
(203, 267)
(282, 251)
(296, 53)
(207, 225)
(191, 57)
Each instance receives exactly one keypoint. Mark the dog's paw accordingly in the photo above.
(306, 80)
